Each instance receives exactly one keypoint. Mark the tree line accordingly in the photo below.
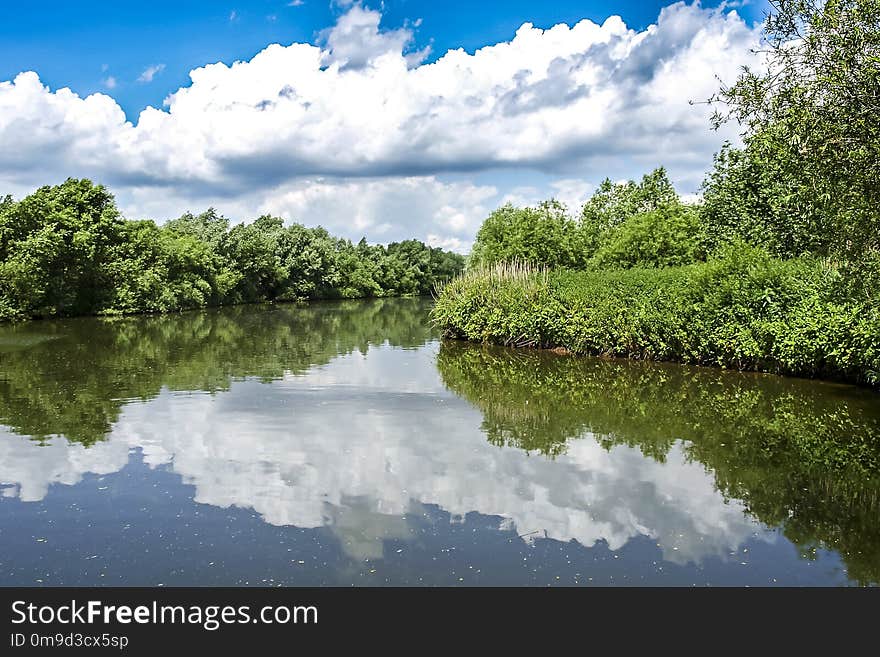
(66, 250)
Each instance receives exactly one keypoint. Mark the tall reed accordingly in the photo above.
(526, 275)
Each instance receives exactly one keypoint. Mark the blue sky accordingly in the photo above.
(568, 111)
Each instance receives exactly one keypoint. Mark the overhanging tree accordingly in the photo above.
(808, 177)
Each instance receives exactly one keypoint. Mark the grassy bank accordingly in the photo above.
(742, 309)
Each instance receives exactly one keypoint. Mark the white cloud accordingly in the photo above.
(384, 210)
(356, 41)
(370, 206)
(448, 243)
(296, 3)
(150, 72)
(572, 192)
(57, 134)
(109, 82)
(581, 101)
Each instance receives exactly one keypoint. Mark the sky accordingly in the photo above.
(388, 120)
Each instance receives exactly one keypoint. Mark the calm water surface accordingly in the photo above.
(344, 444)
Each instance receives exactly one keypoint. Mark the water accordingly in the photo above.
(344, 444)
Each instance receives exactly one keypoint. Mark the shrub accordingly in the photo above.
(741, 309)
(665, 237)
(65, 250)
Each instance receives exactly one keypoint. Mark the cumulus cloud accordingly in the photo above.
(385, 210)
(150, 72)
(366, 205)
(448, 243)
(356, 41)
(39, 128)
(572, 192)
(576, 102)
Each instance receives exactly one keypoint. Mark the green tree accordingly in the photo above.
(544, 235)
(808, 177)
(65, 250)
(614, 203)
(208, 227)
(56, 246)
(668, 236)
(210, 230)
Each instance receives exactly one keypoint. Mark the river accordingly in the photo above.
(343, 443)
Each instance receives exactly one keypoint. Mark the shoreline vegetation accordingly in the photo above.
(66, 251)
(741, 309)
(776, 268)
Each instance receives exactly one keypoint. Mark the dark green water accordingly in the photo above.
(343, 444)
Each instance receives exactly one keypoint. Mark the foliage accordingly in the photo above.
(667, 236)
(808, 178)
(461, 308)
(628, 223)
(66, 250)
(55, 248)
(612, 204)
(543, 235)
(741, 309)
(747, 196)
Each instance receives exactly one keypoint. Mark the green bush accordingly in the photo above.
(665, 237)
(742, 309)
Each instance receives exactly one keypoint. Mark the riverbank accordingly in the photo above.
(743, 309)
(303, 302)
